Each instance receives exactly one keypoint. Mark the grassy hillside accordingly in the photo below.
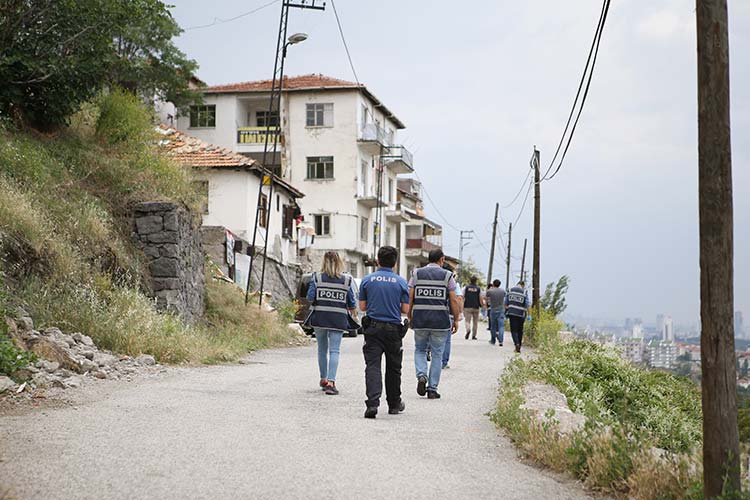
(66, 253)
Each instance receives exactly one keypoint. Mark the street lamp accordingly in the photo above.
(294, 39)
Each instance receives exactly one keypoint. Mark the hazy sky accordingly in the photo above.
(479, 84)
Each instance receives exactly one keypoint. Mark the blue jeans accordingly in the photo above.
(497, 325)
(329, 342)
(435, 339)
(447, 351)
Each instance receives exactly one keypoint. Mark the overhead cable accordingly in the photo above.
(218, 21)
(343, 39)
(588, 73)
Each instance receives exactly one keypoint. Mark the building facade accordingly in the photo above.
(337, 143)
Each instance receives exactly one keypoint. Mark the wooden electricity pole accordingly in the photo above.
(537, 221)
(721, 455)
(507, 257)
(492, 248)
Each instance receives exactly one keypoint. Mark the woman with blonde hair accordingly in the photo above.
(332, 301)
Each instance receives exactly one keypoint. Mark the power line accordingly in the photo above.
(590, 61)
(435, 205)
(531, 184)
(523, 185)
(343, 39)
(218, 21)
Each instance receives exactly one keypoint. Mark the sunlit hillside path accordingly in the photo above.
(265, 430)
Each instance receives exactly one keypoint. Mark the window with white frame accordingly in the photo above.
(353, 269)
(322, 224)
(203, 116)
(364, 167)
(320, 115)
(364, 228)
(320, 167)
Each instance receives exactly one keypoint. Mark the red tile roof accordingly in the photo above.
(193, 152)
(304, 82)
(290, 83)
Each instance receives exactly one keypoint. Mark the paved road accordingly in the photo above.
(264, 430)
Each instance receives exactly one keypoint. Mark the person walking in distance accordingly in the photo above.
(496, 310)
(332, 300)
(472, 303)
(516, 307)
(432, 297)
(487, 307)
(384, 296)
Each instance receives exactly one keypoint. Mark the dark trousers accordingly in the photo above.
(377, 343)
(516, 328)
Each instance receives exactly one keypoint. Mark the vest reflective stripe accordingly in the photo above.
(517, 302)
(427, 308)
(430, 307)
(329, 308)
(337, 310)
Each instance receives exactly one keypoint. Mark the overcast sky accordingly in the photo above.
(479, 84)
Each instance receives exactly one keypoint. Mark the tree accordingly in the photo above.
(57, 54)
(467, 270)
(553, 299)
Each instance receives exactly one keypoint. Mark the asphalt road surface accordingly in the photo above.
(265, 430)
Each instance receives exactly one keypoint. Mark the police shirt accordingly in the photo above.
(384, 292)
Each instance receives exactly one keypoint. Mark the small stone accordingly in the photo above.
(146, 359)
(88, 354)
(104, 359)
(73, 382)
(50, 350)
(63, 373)
(149, 224)
(49, 366)
(25, 324)
(99, 374)
(88, 365)
(6, 384)
(83, 339)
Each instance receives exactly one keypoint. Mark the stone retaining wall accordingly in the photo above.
(171, 240)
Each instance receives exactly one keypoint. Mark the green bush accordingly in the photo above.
(123, 118)
(643, 431)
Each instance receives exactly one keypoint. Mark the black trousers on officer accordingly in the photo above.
(516, 328)
(379, 341)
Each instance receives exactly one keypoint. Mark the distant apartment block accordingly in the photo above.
(662, 354)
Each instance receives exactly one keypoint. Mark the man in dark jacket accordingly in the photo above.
(516, 307)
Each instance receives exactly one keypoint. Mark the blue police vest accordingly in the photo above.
(517, 302)
(329, 307)
(430, 310)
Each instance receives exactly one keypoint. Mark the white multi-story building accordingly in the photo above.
(634, 350)
(337, 144)
(662, 354)
(668, 329)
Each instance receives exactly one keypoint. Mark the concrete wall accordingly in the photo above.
(169, 237)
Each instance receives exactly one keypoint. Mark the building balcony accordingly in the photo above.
(399, 159)
(371, 201)
(372, 138)
(420, 247)
(396, 215)
(254, 138)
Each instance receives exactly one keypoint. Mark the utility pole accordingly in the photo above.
(492, 248)
(537, 222)
(463, 236)
(523, 261)
(721, 456)
(507, 257)
(263, 208)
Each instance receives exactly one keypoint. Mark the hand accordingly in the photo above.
(454, 327)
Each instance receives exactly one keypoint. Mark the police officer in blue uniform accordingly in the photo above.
(432, 293)
(384, 296)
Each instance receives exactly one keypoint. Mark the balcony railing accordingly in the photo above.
(256, 135)
(370, 132)
(421, 244)
(401, 155)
